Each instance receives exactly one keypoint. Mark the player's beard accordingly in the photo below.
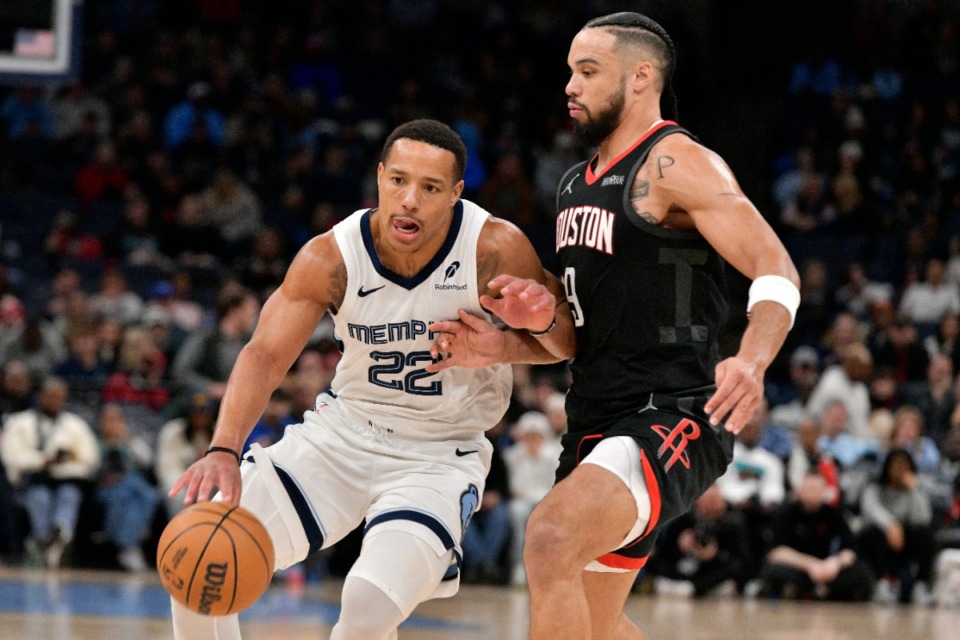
(596, 128)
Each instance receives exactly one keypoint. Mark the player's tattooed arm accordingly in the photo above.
(638, 194)
(488, 267)
(663, 163)
(338, 285)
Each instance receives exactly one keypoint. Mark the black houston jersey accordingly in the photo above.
(648, 302)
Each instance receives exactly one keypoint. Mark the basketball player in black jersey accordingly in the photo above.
(643, 229)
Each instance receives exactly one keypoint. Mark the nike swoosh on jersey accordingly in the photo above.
(363, 293)
(465, 453)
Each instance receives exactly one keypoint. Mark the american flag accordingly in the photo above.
(33, 43)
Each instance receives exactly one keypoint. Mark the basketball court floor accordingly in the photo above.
(78, 605)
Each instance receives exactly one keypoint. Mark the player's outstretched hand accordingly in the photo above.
(470, 342)
(218, 470)
(739, 391)
(523, 303)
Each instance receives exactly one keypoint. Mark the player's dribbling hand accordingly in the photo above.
(738, 394)
(200, 479)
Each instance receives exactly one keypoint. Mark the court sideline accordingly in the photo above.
(92, 605)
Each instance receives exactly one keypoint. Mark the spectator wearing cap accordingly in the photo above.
(791, 399)
(531, 465)
(160, 317)
(181, 442)
(164, 335)
(173, 297)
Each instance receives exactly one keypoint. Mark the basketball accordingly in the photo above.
(215, 559)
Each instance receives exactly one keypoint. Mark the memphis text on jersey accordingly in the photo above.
(390, 332)
(590, 227)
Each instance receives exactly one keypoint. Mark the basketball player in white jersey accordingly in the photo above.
(391, 442)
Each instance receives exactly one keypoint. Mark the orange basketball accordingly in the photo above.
(215, 559)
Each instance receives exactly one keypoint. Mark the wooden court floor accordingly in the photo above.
(74, 605)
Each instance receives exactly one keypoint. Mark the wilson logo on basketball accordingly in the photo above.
(212, 582)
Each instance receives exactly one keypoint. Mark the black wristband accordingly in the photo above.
(540, 334)
(223, 450)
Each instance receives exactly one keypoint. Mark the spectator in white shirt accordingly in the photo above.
(846, 382)
(531, 464)
(754, 482)
(926, 302)
(48, 454)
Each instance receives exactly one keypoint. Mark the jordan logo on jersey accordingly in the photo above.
(590, 227)
(675, 441)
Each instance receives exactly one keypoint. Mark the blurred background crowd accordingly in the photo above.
(148, 208)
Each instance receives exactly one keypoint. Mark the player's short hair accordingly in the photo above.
(635, 29)
(433, 133)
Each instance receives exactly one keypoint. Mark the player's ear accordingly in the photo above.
(642, 75)
(455, 193)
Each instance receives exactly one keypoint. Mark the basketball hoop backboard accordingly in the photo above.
(40, 41)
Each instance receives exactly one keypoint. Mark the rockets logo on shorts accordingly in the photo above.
(675, 442)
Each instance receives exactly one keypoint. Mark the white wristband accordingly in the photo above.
(776, 289)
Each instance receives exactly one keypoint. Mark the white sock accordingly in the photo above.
(366, 613)
(189, 625)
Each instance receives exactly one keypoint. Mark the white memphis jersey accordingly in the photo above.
(382, 327)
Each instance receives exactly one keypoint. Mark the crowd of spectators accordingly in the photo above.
(148, 208)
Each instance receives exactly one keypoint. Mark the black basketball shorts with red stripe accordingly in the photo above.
(681, 455)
